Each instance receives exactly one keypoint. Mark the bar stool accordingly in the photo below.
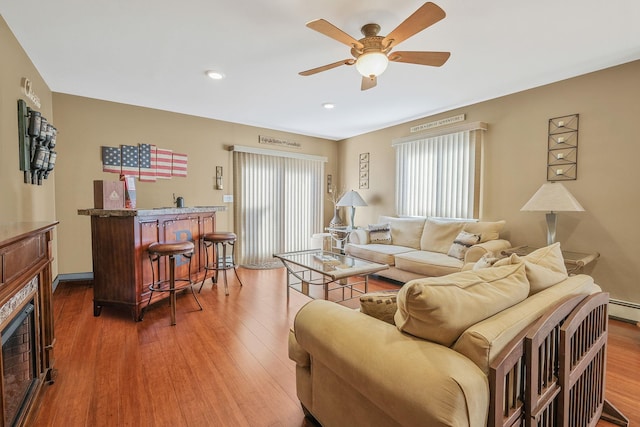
(219, 241)
(169, 249)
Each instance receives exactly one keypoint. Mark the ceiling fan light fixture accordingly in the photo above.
(372, 64)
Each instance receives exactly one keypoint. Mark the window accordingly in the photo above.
(438, 174)
(279, 202)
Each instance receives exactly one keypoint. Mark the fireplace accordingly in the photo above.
(26, 319)
(18, 362)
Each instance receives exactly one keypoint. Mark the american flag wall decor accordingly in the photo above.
(130, 160)
(147, 162)
(179, 165)
(163, 163)
(111, 159)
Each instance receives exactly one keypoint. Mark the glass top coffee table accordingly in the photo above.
(332, 271)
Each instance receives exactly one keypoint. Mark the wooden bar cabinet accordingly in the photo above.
(119, 239)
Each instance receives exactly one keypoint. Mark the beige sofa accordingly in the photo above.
(417, 247)
(431, 367)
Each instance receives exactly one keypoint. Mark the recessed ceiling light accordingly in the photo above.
(328, 105)
(215, 75)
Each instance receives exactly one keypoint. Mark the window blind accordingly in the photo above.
(278, 204)
(438, 175)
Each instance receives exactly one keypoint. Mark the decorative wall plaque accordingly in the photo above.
(562, 144)
(364, 170)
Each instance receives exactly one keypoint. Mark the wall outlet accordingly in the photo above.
(227, 198)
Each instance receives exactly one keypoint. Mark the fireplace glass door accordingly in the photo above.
(18, 362)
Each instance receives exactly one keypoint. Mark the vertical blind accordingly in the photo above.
(278, 204)
(436, 176)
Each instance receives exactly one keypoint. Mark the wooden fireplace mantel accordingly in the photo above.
(25, 275)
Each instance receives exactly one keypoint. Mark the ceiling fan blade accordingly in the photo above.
(435, 59)
(368, 82)
(427, 15)
(327, 67)
(330, 30)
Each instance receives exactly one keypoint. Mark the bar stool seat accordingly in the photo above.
(170, 249)
(219, 241)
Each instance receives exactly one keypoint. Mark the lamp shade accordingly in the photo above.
(372, 64)
(351, 198)
(552, 197)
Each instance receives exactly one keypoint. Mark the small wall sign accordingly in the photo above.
(275, 141)
(27, 89)
(438, 123)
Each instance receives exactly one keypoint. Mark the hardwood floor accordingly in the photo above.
(224, 366)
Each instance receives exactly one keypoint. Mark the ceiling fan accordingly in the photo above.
(372, 53)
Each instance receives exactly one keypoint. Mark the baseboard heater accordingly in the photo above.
(624, 310)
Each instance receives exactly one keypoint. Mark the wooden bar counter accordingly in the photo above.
(119, 241)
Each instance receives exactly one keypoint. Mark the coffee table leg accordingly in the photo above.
(288, 284)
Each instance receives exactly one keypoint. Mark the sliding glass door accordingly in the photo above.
(278, 203)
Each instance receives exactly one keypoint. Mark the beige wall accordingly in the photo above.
(515, 153)
(515, 162)
(20, 201)
(87, 124)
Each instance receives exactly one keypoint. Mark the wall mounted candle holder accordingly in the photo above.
(562, 144)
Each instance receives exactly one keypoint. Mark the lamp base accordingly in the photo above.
(353, 215)
(552, 221)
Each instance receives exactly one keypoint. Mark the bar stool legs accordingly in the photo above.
(170, 250)
(219, 242)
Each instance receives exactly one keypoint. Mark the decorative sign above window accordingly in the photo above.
(438, 123)
(562, 155)
(275, 141)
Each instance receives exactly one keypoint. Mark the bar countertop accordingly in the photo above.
(150, 212)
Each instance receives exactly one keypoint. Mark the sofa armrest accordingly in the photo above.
(424, 380)
(359, 236)
(476, 252)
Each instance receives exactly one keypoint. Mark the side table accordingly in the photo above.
(574, 261)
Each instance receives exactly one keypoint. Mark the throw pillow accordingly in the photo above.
(438, 235)
(461, 243)
(486, 261)
(545, 267)
(380, 233)
(440, 309)
(381, 305)
(488, 230)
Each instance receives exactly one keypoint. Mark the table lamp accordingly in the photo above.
(353, 199)
(552, 197)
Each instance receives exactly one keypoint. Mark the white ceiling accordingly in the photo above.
(154, 53)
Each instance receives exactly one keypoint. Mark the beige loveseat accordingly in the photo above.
(431, 367)
(415, 247)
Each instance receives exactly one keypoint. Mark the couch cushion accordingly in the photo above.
(438, 236)
(487, 230)
(428, 263)
(545, 267)
(484, 341)
(382, 305)
(375, 252)
(439, 309)
(405, 231)
(462, 243)
(380, 233)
